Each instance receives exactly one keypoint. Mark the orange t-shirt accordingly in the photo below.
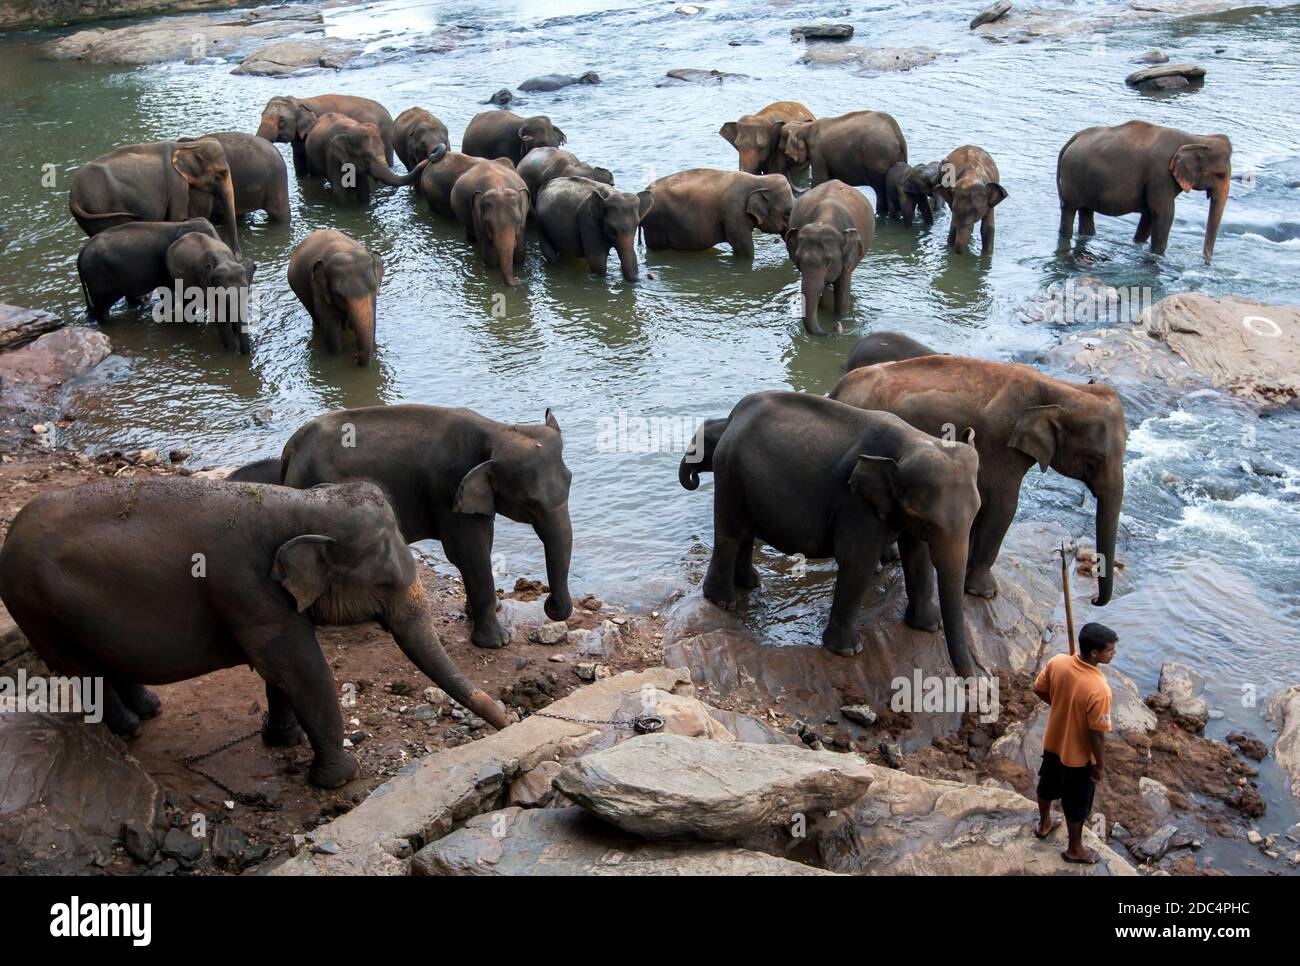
(1080, 703)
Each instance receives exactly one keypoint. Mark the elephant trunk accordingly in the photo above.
(961, 239)
(361, 316)
(750, 161)
(627, 257)
(812, 284)
(1108, 504)
(382, 172)
(411, 625)
(267, 130)
(232, 214)
(950, 567)
(1218, 201)
(504, 242)
(556, 534)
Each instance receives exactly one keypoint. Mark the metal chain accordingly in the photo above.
(642, 724)
(257, 799)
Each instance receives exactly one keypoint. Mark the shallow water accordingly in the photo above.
(707, 330)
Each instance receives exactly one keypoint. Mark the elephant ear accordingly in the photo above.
(302, 567)
(304, 119)
(873, 480)
(564, 138)
(728, 132)
(476, 492)
(187, 161)
(997, 194)
(758, 205)
(1188, 165)
(550, 420)
(250, 267)
(645, 201)
(1036, 433)
(852, 249)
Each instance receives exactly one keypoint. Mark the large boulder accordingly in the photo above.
(19, 326)
(568, 841)
(66, 789)
(1166, 77)
(1284, 712)
(290, 56)
(669, 786)
(1182, 686)
(906, 825)
(32, 372)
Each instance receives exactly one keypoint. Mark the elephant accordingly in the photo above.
(970, 187)
(338, 280)
(204, 264)
(290, 119)
(158, 580)
(554, 82)
(416, 133)
(261, 471)
(884, 347)
(503, 134)
(1020, 417)
(152, 182)
(857, 148)
(582, 217)
(257, 172)
(130, 261)
(441, 175)
(909, 187)
(448, 473)
(757, 138)
(809, 475)
(542, 165)
(697, 209)
(344, 150)
(831, 228)
(492, 202)
(1142, 167)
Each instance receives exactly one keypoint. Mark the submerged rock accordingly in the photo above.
(663, 786)
(1183, 687)
(1165, 77)
(692, 75)
(19, 326)
(990, 14)
(871, 60)
(568, 841)
(291, 56)
(822, 31)
(555, 82)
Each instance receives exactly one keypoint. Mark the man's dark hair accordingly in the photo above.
(1094, 637)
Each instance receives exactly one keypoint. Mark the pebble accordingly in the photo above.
(859, 713)
(1253, 837)
(551, 633)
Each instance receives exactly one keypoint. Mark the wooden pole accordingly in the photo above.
(1069, 606)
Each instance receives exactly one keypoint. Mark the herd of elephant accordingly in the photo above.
(916, 452)
(141, 204)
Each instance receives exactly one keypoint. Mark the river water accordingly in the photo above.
(1212, 551)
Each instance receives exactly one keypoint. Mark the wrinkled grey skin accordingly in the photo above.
(912, 186)
(503, 134)
(703, 207)
(203, 262)
(448, 473)
(885, 347)
(541, 165)
(130, 261)
(582, 217)
(258, 173)
(554, 82)
(492, 202)
(440, 176)
(102, 580)
(349, 154)
(416, 133)
(290, 119)
(337, 279)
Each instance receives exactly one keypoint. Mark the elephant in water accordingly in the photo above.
(503, 134)
(492, 202)
(290, 120)
(810, 475)
(831, 228)
(257, 172)
(130, 261)
(349, 154)
(582, 217)
(1142, 167)
(971, 189)
(416, 133)
(337, 279)
(153, 182)
(757, 138)
(152, 581)
(555, 82)
(857, 148)
(697, 209)
(542, 165)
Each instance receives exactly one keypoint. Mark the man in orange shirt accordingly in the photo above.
(1074, 744)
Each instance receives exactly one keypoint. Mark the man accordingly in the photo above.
(1074, 753)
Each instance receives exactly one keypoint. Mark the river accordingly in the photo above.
(1207, 545)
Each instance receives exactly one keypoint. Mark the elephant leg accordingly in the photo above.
(280, 728)
(1144, 227)
(731, 532)
(820, 171)
(1161, 222)
(595, 247)
(927, 213)
(843, 296)
(363, 188)
(288, 658)
(549, 251)
(740, 236)
(857, 548)
(121, 720)
(1066, 229)
(1086, 226)
(909, 212)
(330, 326)
(918, 578)
(300, 167)
(138, 698)
(952, 234)
(468, 545)
(987, 227)
(746, 577)
(997, 510)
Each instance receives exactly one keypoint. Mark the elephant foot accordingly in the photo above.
(726, 599)
(747, 578)
(142, 701)
(489, 634)
(558, 610)
(335, 772)
(282, 736)
(923, 618)
(982, 584)
(841, 642)
(121, 720)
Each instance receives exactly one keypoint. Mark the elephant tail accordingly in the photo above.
(699, 455)
(82, 213)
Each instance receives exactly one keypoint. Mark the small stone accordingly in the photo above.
(893, 753)
(328, 847)
(551, 633)
(1253, 837)
(586, 670)
(1154, 794)
(822, 31)
(1154, 57)
(179, 455)
(558, 658)
(182, 846)
(139, 841)
(147, 456)
(423, 712)
(1120, 833)
(859, 714)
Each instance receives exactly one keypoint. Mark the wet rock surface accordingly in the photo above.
(1166, 77)
(871, 60)
(291, 56)
(19, 326)
(991, 13)
(1284, 713)
(822, 31)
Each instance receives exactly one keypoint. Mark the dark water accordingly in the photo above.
(1212, 551)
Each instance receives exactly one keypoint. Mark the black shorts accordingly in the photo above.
(1073, 786)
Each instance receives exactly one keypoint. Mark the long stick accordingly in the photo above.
(1069, 607)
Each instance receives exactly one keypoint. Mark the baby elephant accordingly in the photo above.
(831, 228)
(350, 153)
(582, 217)
(970, 187)
(416, 133)
(697, 209)
(492, 202)
(911, 186)
(543, 165)
(205, 265)
(130, 261)
(338, 280)
(808, 475)
(152, 581)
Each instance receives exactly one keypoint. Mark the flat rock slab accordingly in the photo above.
(907, 825)
(1190, 73)
(36, 369)
(1060, 22)
(692, 75)
(66, 788)
(670, 786)
(19, 326)
(569, 841)
(291, 56)
(991, 14)
(822, 31)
